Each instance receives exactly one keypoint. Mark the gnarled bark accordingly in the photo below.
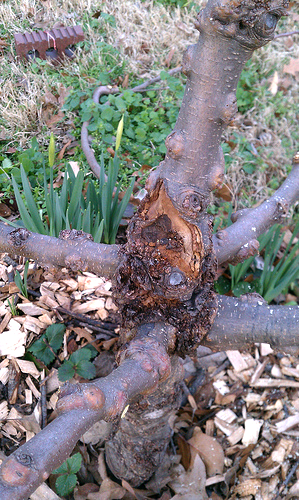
(76, 253)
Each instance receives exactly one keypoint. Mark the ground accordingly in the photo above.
(248, 402)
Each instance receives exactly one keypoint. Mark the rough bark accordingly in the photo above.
(143, 364)
(78, 253)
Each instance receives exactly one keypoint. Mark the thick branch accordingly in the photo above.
(77, 254)
(144, 364)
(253, 222)
(229, 33)
(240, 323)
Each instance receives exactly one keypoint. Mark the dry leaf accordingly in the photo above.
(292, 68)
(209, 450)
(108, 491)
(190, 485)
(43, 492)
(81, 492)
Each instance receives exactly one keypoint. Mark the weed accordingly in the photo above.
(12, 307)
(78, 363)
(98, 212)
(275, 275)
(46, 347)
(22, 283)
(67, 481)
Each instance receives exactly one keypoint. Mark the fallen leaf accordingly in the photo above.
(190, 484)
(292, 68)
(209, 450)
(108, 491)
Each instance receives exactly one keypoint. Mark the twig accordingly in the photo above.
(89, 321)
(43, 402)
(280, 35)
(287, 479)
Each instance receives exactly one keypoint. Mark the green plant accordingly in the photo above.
(78, 363)
(12, 307)
(22, 283)
(278, 271)
(148, 119)
(98, 212)
(67, 481)
(46, 347)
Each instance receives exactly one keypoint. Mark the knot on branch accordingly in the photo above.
(17, 238)
(74, 235)
(79, 397)
(252, 24)
(151, 355)
(17, 469)
(167, 271)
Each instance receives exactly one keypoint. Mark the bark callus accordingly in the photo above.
(168, 269)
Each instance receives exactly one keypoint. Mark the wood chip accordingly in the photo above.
(5, 321)
(268, 382)
(33, 324)
(12, 341)
(252, 430)
(90, 305)
(28, 396)
(227, 415)
(258, 371)
(236, 436)
(31, 309)
(43, 492)
(31, 386)
(224, 426)
(248, 487)
(290, 372)
(288, 423)
(237, 360)
(3, 410)
(28, 367)
(48, 301)
(265, 349)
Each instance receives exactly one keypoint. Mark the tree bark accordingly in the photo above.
(143, 364)
(76, 253)
(241, 323)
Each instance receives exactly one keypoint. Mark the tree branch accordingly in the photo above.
(76, 254)
(240, 323)
(251, 223)
(143, 365)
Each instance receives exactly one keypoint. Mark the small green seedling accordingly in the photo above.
(46, 347)
(22, 283)
(79, 363)
(67, 481)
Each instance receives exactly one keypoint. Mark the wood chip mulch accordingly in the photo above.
(235, 436)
